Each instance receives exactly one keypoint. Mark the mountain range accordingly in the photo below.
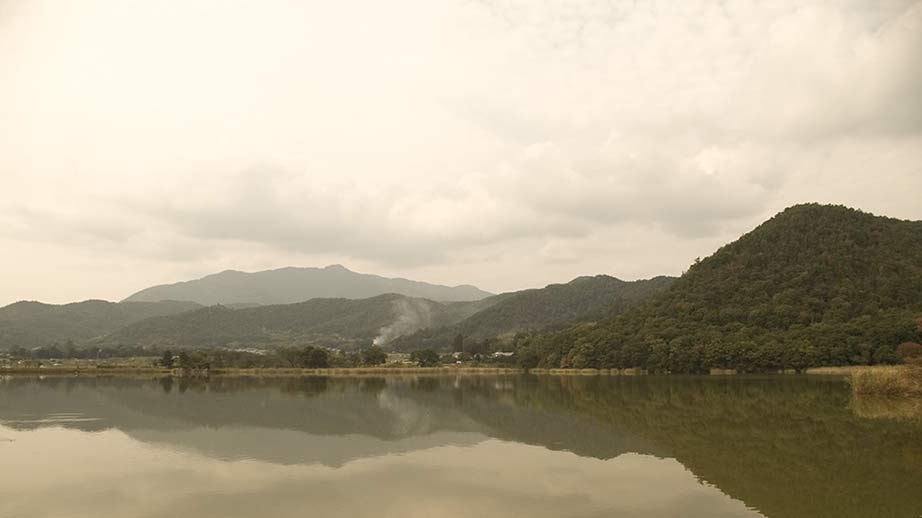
(290, 285)
(814, 285)
(340, 322)
(401, 322)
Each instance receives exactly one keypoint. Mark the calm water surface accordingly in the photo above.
(469, 446)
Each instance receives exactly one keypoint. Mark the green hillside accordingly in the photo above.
(814, 285)
(325, 322)
(31, 324)
(580, 300)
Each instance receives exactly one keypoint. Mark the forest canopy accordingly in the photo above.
(814, 285)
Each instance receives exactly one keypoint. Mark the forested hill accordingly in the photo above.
(322, 322)
(31, 324)
(291, 285)
(814, 285)
(580, 300)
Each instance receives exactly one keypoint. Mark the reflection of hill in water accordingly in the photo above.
(789, 447)
(300, 420)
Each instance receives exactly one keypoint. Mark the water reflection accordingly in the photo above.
(436, 446)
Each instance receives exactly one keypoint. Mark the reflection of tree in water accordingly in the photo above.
(790, 447)
(372, 385)
(167, 383)
(426, 384)
(305, 386)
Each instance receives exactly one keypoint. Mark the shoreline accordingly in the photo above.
(442, 370)
(281, 372)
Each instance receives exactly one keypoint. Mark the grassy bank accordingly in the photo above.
(893, 381)
(844, 371)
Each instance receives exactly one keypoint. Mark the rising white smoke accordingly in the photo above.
(412, 315)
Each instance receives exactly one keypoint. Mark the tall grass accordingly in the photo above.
(896, 381)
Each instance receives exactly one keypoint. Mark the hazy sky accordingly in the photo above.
(506, 144)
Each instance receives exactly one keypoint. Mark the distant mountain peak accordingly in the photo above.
(297, 284)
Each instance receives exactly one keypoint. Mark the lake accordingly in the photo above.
(536, 446)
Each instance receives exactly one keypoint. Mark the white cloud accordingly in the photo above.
(507, 144)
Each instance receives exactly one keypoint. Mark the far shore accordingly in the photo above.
(91, 370)
(335, 371)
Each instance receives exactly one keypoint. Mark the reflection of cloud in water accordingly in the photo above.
(490, 478)
(410, 416)
(789, 446)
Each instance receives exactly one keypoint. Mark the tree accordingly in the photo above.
(316, 358)
(70, 350)
(374, 355)
(166, 361)
(291, 356)
(425, 358)
(799, 356)
(528, 358)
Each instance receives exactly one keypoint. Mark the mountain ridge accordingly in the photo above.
(326, 322)
(585, 298)
(297, 284)
(33, 324)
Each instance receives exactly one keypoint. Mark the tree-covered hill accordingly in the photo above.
(580, 300)
(325, 322)
(814, 285)
(400, 322)
(31, 324)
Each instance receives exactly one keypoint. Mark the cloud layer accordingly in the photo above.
(506, 144)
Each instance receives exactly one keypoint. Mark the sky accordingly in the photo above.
(505, 144)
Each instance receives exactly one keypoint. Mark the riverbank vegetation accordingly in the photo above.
(292, 359)
(896, 381)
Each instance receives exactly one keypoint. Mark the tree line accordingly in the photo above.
(308, 357)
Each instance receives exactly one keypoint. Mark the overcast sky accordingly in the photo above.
(505, 144)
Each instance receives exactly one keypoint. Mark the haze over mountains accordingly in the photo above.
(341, 321)
(385, 318)
(349, 323)
(290, 285)
(33, 324)
(814, 285)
